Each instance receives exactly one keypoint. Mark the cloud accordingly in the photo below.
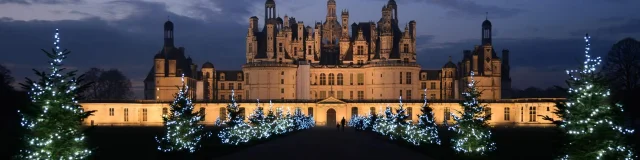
(469, 8)
(127, 44)
(539, 62)
(27, 2)
(623, 27)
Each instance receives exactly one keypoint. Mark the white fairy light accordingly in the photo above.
(49, 136)
(586, 94)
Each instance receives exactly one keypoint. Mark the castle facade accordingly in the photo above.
(331, 70)
(364, 60)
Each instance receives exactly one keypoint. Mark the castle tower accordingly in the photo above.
(413, 30)
(345, 25)
(386, 32)
(168, 34)
(269, 10)
(208, 77)
(252, 41)
(270, 38)
(331, 9)
(394, 8)
(448, 80)
(486, 31)
(344, 37)
(331, 29)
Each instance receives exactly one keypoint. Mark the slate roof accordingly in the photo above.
(230, 75)
(432, 74)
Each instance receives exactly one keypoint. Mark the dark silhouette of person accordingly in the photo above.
(342, 122)
(338, 126)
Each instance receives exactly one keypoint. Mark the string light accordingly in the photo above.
(53, 129)
(472, 133)
(261, 127)
(183, 130)
(426, 131)
(591, 124)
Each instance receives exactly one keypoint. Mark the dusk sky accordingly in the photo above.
(544, 36)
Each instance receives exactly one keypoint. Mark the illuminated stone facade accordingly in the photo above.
(364, 60)
(331, 70)
(511, 112)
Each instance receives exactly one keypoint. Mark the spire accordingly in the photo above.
(486, 16)
(449, 58)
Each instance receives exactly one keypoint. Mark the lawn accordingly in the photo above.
(118, 143)
(511, 143)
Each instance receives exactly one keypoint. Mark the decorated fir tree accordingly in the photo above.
(384, 124)
(183, 131)
(472, 135)
(257, 117)
(426, 131)
(234, 113)
(261, 129)
(401, 116)
(299, 120)
(237, 131)
(53, 119)
(271, 117)
(592, 126)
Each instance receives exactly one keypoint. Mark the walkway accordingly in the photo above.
(322, 143)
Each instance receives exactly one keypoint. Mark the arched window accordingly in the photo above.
(208, 75)
(223, 114)
(331, 79)
(340, 79)
(354, 111)
(323, 79)
(202, 111)
(409, 113)
(372, 110)
(310, 111)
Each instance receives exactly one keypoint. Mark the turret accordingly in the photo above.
(269, 10)
(253, 24)
(486, 31)
(345, 25)
(168, 34)
(300, 31)
(286, 21)
(270, 38)
(412, 28)
(394, 9)
(331, 9)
